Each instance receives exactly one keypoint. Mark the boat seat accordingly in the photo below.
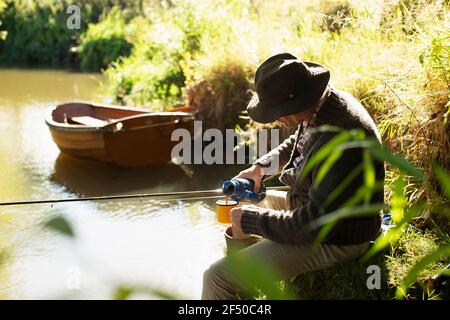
(89, 121)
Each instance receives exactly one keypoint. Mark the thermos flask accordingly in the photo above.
(240, 189)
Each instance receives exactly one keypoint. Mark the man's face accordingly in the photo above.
(294, 120)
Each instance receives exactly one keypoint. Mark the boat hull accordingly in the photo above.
(135, 140)
(81, 144)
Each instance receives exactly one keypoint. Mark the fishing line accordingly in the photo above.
(180, 195)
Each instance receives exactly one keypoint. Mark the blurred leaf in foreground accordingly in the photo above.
(444, 179)
(61, 225)
(257, 277)
(2, 256)
(124, 292)
(384, 154)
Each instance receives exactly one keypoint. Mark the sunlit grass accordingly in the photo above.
(348, 280)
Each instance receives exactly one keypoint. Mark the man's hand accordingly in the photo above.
(254, 173)
(236, 215)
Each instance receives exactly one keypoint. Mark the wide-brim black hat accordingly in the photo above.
(286, 85)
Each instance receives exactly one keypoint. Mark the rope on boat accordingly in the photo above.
(180, 195)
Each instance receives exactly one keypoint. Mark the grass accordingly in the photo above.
(348, 280)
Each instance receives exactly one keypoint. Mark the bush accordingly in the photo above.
(104, 42)
(35, 31)
(153, 84)
(2, 8)
(222, 94)
(36, 34)
(154, 75)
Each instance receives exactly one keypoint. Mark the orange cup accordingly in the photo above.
(223, 210)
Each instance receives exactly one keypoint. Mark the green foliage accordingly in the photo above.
(257, 277)
(438, 254)
(436, 56)
(154, 83)
(220, 93)
(348, 280)
(443, 178)
(403, 211)
(124, 292)
(3, 33)
(104, 42)
(36, 31)
(61, 225)
(155, 73)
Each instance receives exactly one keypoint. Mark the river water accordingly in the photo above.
(145, 244)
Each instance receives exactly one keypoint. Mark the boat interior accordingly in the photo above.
(91, 115)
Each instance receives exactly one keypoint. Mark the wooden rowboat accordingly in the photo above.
(129, 137)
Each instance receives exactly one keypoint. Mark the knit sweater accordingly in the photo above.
(307, 202)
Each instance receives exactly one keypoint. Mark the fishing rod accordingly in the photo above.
(180, 195)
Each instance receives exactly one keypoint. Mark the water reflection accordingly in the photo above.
(25, 86)
(91, 178)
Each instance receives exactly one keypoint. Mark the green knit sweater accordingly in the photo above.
(307, 203)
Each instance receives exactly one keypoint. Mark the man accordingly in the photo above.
(297, 94)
